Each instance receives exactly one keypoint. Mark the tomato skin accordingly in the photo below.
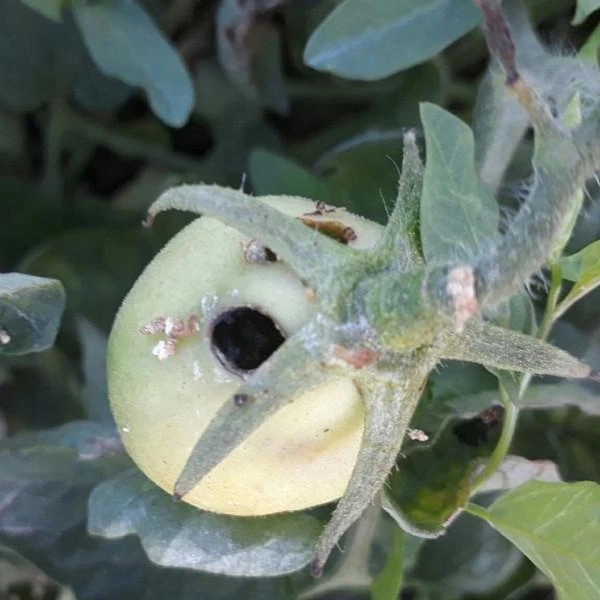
(303, 455)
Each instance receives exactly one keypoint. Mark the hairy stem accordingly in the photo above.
(560, 168)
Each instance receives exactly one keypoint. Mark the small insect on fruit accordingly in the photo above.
(198, 321)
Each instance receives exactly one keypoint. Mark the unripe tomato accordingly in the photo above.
(241, 311)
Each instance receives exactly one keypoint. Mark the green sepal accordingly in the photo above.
(388, 410)
(292, 369)
(500, 348)
(293, 242)
(401, 234)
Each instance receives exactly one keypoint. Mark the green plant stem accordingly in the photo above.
(511, 413)
(477, 511)
(550, 312)
(387, 584)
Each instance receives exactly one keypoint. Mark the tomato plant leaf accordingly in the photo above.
(51, 9)
(584, 9)
(95, 392)
(582, 268)
(45, 478)
(454, 566)
(30, 312)
(430, 487)
(391, 36)
(45, 481)
(180, 535)
(557, 525)
(125, 43)
(453, 206)
(537, 396)
(589, 51)
(271, 173)
(96, 265)
(585, 264)
(55, 66)
(352, 165)
(462, 390)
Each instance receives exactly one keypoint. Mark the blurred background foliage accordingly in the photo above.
(103, 105)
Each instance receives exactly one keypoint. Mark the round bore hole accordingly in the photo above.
(244, 337)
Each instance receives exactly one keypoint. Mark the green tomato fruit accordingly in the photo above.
(165, 386)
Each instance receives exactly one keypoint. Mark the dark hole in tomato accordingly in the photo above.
(244, 337)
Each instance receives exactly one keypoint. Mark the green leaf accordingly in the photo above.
(584, 9)
(28, 218)
(557, 525)
(181, 584)
(453, 392)
(548, 395)
(180, 535)
(125, 43)
(30, 312)
(351, 167)
(55, 66)
(45, 479)
(388, 582)
(458, 218)
(271, 173)
(589, 50)
(537, 396)
(95, 392)
(96, 266)
(390, 36)
(463, 390)
(499, 125)
(43, 390)
(430, 487)
(17, 573)
(583, 265)
(583, 269)
(568, 437)
(52, 9)
(458, 564)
